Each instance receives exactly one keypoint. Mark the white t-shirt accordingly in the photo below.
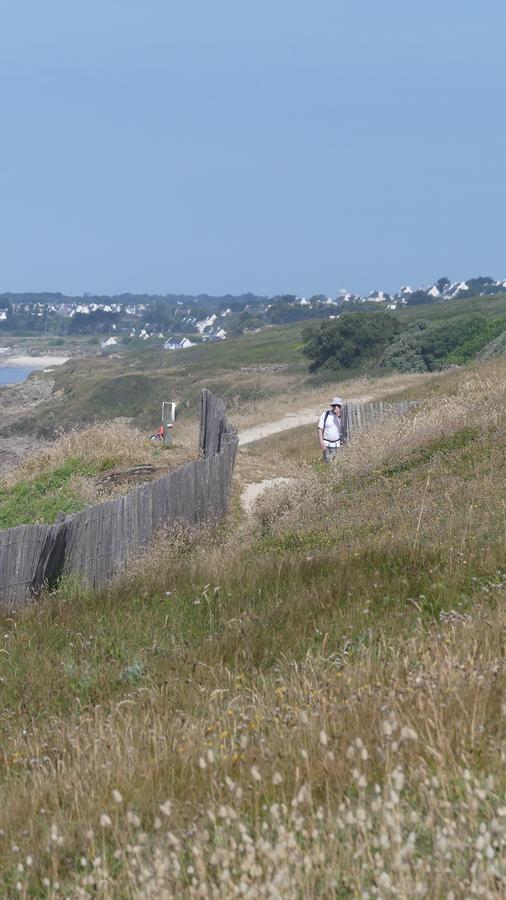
(332, 433)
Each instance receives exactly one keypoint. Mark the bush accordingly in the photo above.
(425, 348)
(349, 342)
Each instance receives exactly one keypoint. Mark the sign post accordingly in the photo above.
(168, 419)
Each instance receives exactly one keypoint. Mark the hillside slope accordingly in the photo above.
(307, 703)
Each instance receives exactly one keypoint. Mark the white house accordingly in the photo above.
(183, 344)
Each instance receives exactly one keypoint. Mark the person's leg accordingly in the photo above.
(326, 455)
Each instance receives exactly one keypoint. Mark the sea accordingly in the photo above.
(14, 374)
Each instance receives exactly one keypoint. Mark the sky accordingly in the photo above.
(273, 146)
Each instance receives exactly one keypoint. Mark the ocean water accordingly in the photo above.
(13, 374)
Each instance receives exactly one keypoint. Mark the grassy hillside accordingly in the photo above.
(244, 370)
(306, 703)
(134, 383)
(492, 306)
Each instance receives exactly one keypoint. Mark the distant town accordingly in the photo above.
(180, 321)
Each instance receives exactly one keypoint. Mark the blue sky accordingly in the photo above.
(266, 145)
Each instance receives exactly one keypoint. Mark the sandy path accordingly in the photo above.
(253, 490)
(291, 420)
(311, 414)
(307, 416)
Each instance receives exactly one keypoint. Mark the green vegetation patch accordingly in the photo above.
(380, 340)
(125, 395)
(41, 499)
(447, 445)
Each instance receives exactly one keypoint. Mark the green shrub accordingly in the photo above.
(349, 342)
(41, 499)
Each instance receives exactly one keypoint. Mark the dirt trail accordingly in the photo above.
(306, 416)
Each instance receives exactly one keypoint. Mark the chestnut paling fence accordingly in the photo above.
(355, 416)
(99, 541)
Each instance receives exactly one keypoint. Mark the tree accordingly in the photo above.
(479, 284)
(351, 341)
(443, 284)
(246, 322)
(419, 297)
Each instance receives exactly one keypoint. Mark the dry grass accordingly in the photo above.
(298, 399)
(307, 703)
(390, 783)
(120, 442)
(105, 450)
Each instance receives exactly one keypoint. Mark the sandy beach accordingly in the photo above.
(34, 362)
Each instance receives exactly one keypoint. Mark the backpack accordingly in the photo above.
(341, 429)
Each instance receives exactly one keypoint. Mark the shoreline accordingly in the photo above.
(33, 362)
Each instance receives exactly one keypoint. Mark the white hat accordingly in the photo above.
(336, 401)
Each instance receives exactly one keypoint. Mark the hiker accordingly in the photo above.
(329, 429)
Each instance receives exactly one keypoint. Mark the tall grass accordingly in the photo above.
(308, 702)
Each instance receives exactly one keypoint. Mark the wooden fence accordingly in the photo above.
(98, 542)
(362, 415)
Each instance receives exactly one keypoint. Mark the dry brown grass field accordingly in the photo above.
(308, 701)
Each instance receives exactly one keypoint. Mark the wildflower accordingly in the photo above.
(210, 757)
(277, 778)
(398, 779)
(384, 880)
(304, 795)
(202, 763)
(116, 796)
(255, 773)
(105, 821)
(323, 738)
(407, 734)
(166, 808)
